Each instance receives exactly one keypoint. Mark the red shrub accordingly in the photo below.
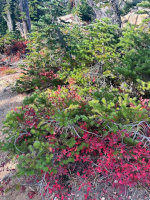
(107, 159)
(49, 75)
(16, 48)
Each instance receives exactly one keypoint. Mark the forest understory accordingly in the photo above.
(74, 100)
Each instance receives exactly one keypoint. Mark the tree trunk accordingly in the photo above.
(19, 27)
(24, 8)
(116, 12)
(7, 17)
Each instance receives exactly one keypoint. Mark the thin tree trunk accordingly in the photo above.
(8, 18)
(24, 8)
(116, 12)
(19, 27)
(25, 29)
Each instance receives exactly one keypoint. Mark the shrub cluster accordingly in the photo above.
(96, 52)
(90, 124)
(59, 135)
(12, 48)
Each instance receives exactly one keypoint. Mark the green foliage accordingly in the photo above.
(85, 11)
(93, 46)
(145, 5)
(3, 24)
(128, 5)
(95, 52)
(45, 46)
(97, 42)
(32, 141)
(51, 120)
(6, 40)
(135, 52)
(35, 9)
(119, 108)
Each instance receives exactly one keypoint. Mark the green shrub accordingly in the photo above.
(5, 41)
(134, 53)
(86, 13)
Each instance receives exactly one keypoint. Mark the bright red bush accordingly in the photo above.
(17, 47)
(108, 159)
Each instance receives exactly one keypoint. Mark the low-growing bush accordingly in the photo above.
(12, 48)
(59, 135)
(16, 48)
(5, 41)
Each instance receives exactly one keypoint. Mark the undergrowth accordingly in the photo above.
(86, 125)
